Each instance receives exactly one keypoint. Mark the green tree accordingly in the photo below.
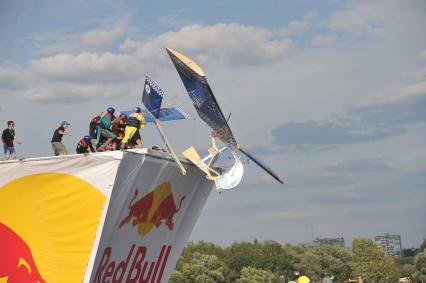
(407, 270)
(308, 263)
(275, 258)
(334, 260)
(420, 264)
(371, 263)
(177, 277)
(243, 254)
(203, 248)
(423, 246)
(254, 275)
(200, 269)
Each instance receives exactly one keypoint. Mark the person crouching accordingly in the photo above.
(84, 144)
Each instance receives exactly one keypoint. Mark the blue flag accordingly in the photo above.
(152, 97)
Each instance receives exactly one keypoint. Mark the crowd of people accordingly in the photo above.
(107, 131)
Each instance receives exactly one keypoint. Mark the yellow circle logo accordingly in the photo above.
(50, 222)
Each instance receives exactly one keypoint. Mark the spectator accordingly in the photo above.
(8, 138)
(57, 145)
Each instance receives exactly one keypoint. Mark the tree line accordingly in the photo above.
(272, 262)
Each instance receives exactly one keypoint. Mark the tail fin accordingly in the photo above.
(152, 97)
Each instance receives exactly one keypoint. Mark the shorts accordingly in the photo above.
(9, 150)
(58, 148)
(136, 136)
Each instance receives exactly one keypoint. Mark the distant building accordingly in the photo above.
(390, 244)
(334, 241)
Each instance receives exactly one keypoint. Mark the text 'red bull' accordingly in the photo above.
(16, 260)
(132, 269)
(154, 208)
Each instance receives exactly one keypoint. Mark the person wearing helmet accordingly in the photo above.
(105, 129)
(120, 129)
(84, 144)
(135, 121)
(57, 145)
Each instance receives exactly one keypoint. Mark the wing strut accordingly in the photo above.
(260, 164)
(169, 146)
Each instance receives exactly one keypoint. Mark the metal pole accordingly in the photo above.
(169, 146)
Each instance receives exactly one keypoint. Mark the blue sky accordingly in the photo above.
(332, 95)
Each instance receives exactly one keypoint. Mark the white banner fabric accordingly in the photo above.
(152, 211)
(51, 212)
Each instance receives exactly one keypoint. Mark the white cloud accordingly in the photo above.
(100, 39)
(418, 88)
(77, 93)
(225, 43)
(90, 76)
(299, 26)
(130, 45)
(173, 21)
(12, 77)
(324, 40)
(423, 54)
(69, 41)
(86, 67)
(360, 19)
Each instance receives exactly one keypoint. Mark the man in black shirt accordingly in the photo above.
(8, 138)
(57, 145)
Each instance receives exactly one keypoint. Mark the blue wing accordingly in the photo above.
(165, 114)
(206, 104)
(170, 114)
(202, 96)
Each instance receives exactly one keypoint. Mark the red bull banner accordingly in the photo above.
(152, 211)
(51, 216)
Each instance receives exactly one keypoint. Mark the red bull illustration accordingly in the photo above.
(16, 260)
(49, 222)
(152, 209)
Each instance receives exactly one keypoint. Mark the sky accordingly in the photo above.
(330, 94)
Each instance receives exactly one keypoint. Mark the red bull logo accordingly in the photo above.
(153, 209)
(16, 260)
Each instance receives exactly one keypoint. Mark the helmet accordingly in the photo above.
(87, 138)
(303, 279)
(137, 109)
(65, 123)
(110, 110)
(123, 116)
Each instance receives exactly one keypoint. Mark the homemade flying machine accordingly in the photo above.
(209, 111)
